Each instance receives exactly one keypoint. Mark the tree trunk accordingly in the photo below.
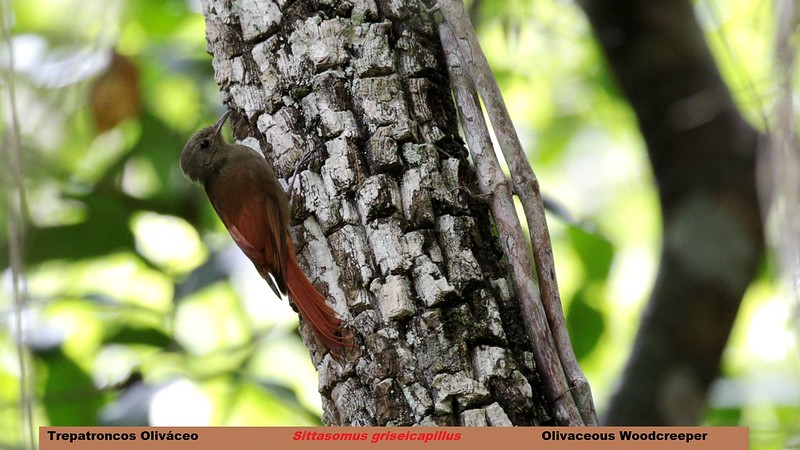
(387, 222)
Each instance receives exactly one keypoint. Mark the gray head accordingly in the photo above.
(201, 155)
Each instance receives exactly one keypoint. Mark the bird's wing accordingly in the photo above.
(242, 196)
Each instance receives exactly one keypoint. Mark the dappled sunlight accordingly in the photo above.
(180, 403)
(168, 241)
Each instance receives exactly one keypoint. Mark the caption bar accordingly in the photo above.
(246, 438)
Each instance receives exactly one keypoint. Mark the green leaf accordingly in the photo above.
(161, 146)
(70, 396)
(105, 230)
(132, 334)
(252, 404)
(585, 324)
(595, 251)
(159, 19)
(723, 417)
(554, 137)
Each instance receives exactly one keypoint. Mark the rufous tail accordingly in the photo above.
(313, 308)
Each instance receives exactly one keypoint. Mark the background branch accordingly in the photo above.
(703, 158)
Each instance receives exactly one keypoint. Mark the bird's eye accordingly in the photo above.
(204, 144)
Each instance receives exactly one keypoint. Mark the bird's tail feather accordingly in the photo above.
(313, 309)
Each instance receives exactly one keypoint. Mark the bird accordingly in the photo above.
(246, 195)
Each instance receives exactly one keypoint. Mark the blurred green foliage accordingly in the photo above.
(140, 313)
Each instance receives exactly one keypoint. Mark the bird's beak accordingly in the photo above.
(221, 122)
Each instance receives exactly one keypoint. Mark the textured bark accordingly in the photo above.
(566, 387)
(703, 157)
(563, 386)
(385, 220)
